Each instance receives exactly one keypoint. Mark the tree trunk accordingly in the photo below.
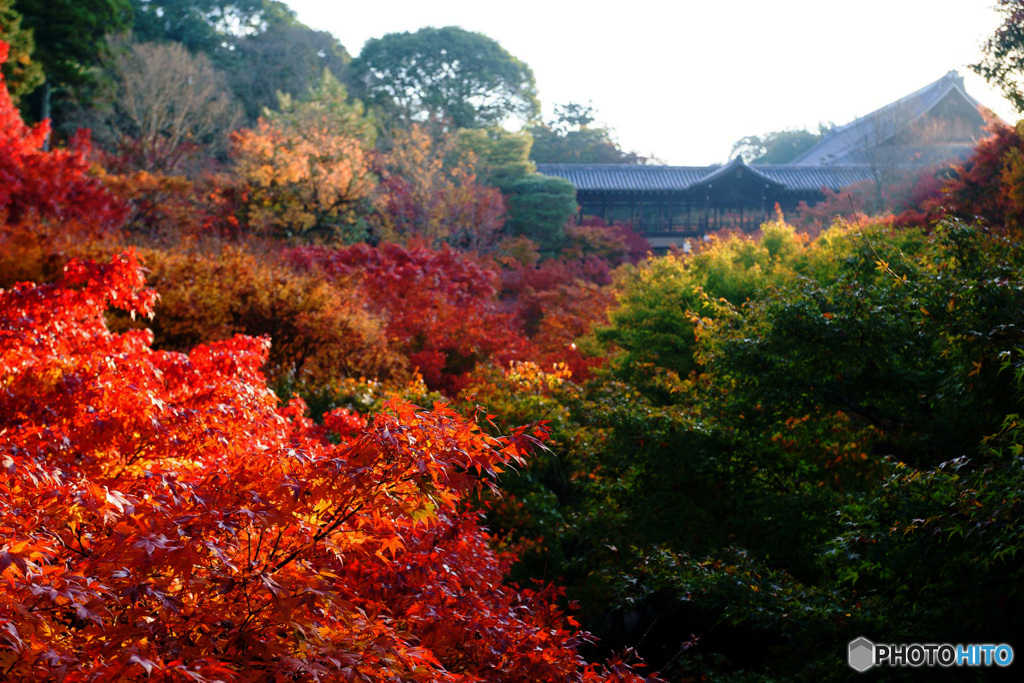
(44, 112)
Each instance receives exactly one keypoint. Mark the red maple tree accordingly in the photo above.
(162, 517)
(48, 199)
(441, 307)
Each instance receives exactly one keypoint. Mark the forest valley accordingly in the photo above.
(362, 402)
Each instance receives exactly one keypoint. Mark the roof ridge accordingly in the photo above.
(920, 92)
(935, 91)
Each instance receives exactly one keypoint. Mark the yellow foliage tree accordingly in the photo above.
(305, 168)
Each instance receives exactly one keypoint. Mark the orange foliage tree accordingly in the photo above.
(305, 168)
(320, 331)
(162, 518)
(169, 209)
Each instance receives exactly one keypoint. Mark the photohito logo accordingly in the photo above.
(863, 654)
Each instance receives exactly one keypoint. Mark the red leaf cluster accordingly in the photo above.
(50, 185)
(45, 196)
(990, 184)
(558, 301)
(440, 307)
(161, 516)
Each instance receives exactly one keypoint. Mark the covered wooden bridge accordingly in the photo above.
(686, 201)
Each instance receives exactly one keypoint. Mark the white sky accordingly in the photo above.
(685, 79)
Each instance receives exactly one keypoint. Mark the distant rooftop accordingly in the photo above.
(884, 127)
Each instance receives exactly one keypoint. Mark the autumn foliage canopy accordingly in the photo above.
(164, 516)
(735, 459)
(440, 306)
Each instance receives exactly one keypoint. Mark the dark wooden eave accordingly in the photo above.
(782, 178)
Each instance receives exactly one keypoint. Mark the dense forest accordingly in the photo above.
(306, 374)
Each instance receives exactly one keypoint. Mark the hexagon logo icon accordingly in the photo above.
(862, 654)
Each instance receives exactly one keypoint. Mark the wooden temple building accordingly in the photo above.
(938, 124)
(684, 201)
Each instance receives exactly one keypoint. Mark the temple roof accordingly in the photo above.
(896, 134)
(847, 144)
(735, 170)
(627, 177)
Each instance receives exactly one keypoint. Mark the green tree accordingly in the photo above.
(21, 73)
(663, 300)
(777, 147)
(539, 206)
(570, 138)
(1002, 62)
(288, 57)
(499, 156)
(70, 38)
(210, 26)
(849, 459)
(451, 75)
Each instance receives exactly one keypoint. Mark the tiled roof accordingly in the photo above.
(845, 144)
(815, 177)
(626, 177)
(730, 169)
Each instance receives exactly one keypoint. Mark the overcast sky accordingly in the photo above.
(685, 79)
